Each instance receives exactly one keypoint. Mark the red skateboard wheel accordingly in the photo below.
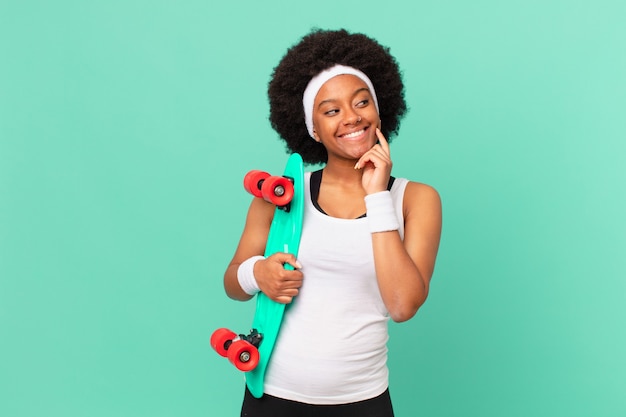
(219, 339)
(243, 355)
(277, 190)
(253, 180)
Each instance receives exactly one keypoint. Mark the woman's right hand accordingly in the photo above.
(276, 282)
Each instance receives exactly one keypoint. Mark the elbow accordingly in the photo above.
(234, 292)
(400, 315)
(406, 311)
(233, 289)
(238, 296)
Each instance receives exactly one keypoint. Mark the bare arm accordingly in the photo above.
(404, 269)
(273, 279)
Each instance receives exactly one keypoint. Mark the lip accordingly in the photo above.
(354, 135)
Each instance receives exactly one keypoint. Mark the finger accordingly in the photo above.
(375, 156)
(286, 296)
(288, 276)
(283, 299)
(290, 287)
(365, 158)
(287, 258)
(383, 141)
(293, 262)
(381, 149)
(282, 286)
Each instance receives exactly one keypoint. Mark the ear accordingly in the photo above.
(316, 136)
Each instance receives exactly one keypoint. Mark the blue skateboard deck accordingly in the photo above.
(284, 236)
(252, 353)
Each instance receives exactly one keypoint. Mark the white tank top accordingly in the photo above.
(332, 346)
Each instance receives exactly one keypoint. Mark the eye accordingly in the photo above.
(363, 103)
(331, 112)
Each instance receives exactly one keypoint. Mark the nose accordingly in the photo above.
(352, 118)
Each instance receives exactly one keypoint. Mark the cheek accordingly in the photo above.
(323, 127)
(372, 115)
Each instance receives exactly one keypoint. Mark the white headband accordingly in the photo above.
(318, 81)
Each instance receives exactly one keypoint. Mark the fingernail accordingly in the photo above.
(298, 265)
(356, 166)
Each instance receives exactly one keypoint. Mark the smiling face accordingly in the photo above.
(345, 117)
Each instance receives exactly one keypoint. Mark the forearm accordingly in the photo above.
(232, 286)
(402, 285)
(251, 244)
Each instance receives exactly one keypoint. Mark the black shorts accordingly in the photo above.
(268, 406)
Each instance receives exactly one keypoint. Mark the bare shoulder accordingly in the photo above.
(261, 210)
(422, 197)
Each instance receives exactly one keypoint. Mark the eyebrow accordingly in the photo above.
(330, 100)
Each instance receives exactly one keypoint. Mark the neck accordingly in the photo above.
(342, 171)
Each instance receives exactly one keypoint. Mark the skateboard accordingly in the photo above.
(251, 353)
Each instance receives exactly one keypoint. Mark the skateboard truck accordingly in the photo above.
(254, 338)
(277, 190)
(280, 190)
(242, 350)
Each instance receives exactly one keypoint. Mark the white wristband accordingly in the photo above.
(381, 213)
(245, 275)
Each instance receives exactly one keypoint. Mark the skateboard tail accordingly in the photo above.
(274, 313)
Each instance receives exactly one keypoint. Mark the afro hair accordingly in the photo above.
(320, 50)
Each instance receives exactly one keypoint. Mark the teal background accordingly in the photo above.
(127, 126)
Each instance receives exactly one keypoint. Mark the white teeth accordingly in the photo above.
(354, 134)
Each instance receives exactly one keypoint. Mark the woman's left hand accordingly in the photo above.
(376, 165)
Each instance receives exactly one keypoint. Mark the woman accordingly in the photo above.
(369, 240)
